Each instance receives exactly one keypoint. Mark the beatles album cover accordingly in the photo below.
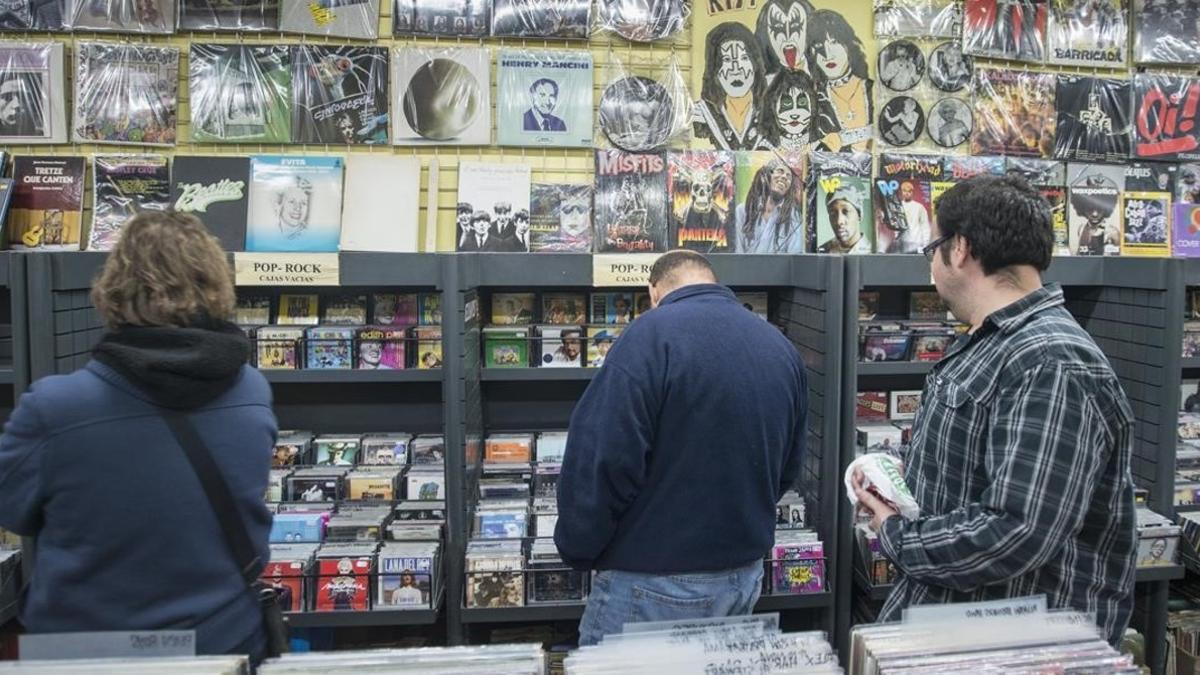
(1151, 177)
(1093, 119)
(31, 15)
(769, 216)
(121, 16)
(229, 15)
(1089, 33)
(822, 180)
(1185, 230)
(700, 190)
(441, 18)
(47, 204)
(122, 187)
(295, 204)
(498, 198)
(215, 190)
(555, 19)
(33, 107)
(1167, 31)
(1007, 29)
(357, 19)
(442, 96)
(1146, 224)
(126, 93)
(240, 93)
(1166, 117)
(917, 18)
(340, 95)
(1014, 113)
(903, 201)
(560, 218)
(547, 98)
(1094, 215)
(630, 202)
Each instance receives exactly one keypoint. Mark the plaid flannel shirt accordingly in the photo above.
(1020, 462)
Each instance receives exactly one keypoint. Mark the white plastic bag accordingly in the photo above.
(882, 476)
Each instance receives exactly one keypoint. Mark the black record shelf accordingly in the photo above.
(783, 602)
(528, 613)
(890, 368)
(370, 617)
(7, 375)
(334, 376)
(537, 374)
(877, 592)
(1164, 573)
(1190, 364)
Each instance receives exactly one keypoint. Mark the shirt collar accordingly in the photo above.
(1012, 317)
(694, 290)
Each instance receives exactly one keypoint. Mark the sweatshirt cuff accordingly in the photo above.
(890, 537)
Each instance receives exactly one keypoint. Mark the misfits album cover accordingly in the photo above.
(630, 202)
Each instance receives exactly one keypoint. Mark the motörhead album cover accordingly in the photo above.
(123, 186)
(630, 202)
(560, 217)
(903, 201)
(700, 188)
(33, 105)
(444, 18)
(240, 93)
(229, 15)
(47, 203)
(547, 98)
(126, 93)
(1167, 31)
(1014, 113)
(357, 19)
(1089, 32)
(1093, 119)
(340, 95)
(442, 96)
(556, 19)
(121, 16)
(31, 15)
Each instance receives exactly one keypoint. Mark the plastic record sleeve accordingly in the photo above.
(126, 93)
(1167, 31)
(240, 93)
(229, 15)
(642, 20)
(917, 18)
(32, 102)
(639, 113)
(123, 16)
(26, 15)
(564, 19)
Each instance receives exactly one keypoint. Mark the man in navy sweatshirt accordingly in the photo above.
(678, 452)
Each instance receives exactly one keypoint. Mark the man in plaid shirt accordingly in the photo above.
(1020, 450)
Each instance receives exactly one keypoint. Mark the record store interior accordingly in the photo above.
(618, 336)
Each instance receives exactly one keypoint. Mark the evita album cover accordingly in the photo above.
(1094, 217)
(32, 101)
(700, 189)
(123, 186)
(769, 217)
(1006, 29)
(560, 217)
(1014, 113)
(918, 18)
(838, 215)
(903, 201)
(229, 15)
(340, 95)
(445, 18)
(1093, 119)
(295, 204)
(1089, 32)
(215, 190)
(443, 96)
(559, 19)
(1166, 117)
(124, 16)
(240, 93)
(126, 93)
(630, 202)
(497, 196)
(548, 98)
(31, 15)
(47, 205)
(357, 19)
(1168, 31)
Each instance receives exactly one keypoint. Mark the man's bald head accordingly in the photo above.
(676, 269)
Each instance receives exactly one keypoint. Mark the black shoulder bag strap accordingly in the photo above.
(225, 508)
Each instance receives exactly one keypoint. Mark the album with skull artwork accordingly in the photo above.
(903, 201)
(949, 69)
(548, 98)
(31, 15)
(340, 94)
(295, 204)
(229, 15)
(630, 214)
(1089, 32)
(769, 217)
(560, 218)
(240, 93)
(121, 16)
(443, 96)
(558, 19)
(1094, 216)
(445, 18)
(32, 100)
(918, 18)
(700, 189)
(215, 190)
(357, 19)
(497, 196)
(1094, 119)
(126, 93)
(122, 187)
(642, 20)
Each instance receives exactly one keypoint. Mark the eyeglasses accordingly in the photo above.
(934, 245)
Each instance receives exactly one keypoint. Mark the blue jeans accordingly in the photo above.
(618, 598)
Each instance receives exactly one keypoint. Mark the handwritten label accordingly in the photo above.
(622, 269)
(286, 269)
(108, 645)
(1010, 607)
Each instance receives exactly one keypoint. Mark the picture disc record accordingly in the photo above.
(901, 121)
(642, 20)
(949, 69)
(901, 65)
(636, 113)
(950, 122)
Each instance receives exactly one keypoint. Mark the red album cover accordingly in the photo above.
(287, 578)
(343, 584)
(872, 407)
(1166, 117)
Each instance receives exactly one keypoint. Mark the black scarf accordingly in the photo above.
(179, 368)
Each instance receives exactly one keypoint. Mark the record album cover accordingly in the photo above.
(1036, 171)
(498, 197)
(33, 108)
(340, 95)
(1167, 31)
(547, 98)
(446, 18)
(404, 581)
(121, 16)
(903, 201)
(123, 186)
(769, 217)
(1151, 177)
(556, 19)
(343, 584)
(1146, 224)
(47, 205)
(215, 190)
(1094, 215)
(700, 189)
(126, 93)
(240, 93)
(1056, 197)
(381, 348)
(31, 15)
(822, 179)
(1014, 113)
(295, 204)
(1187, 186)
(1166, 117)
(630, 202)
(564, 308)
(917, 18)
(957, 169)
(382, 202)
(1089, 32)
(1185, 230)
(442, 96)
(394, 309)
(560, 217)
(229, 15)
(357, 19)
(1006, 29)
(1093, 119)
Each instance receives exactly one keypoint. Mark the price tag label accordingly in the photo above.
(1011, 607)
(286, 269)
(108, 645)
(622, 269)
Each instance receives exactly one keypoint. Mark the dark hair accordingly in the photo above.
(464, 207)
(763, 33)
(760, 192)
(665, 268)
(785, 80)
(1005, 221)
(825, 24)
(729, 31)
(544, 80)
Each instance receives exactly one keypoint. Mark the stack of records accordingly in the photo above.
(797, 562)
(551, 446)
(790, 511)
(545, 516)
(426, 483)
(503, 482)
(343, 576)
(508, 449)
(428, 450)
(417, 521)
(292, 448)
(179, 665)
(545, 481)
(495, 577)
(1158, 539)
(409, 575)
(551, 581)
(364, 523)
(512, 659)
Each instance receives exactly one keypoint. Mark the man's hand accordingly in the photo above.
(867, 500)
